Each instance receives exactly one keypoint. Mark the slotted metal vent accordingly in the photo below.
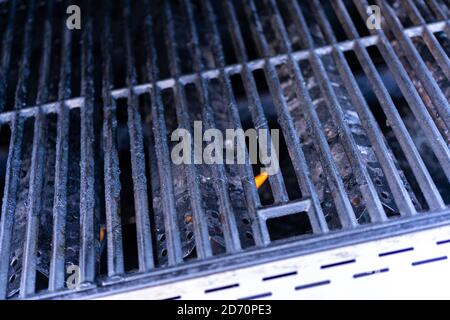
(86, 118)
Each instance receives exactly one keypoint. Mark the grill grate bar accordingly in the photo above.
(8, 37)
(435, 93)
(285, 120)
(173, 236)
(418, 167)
(115, 258)
(144, 240)
(9, 200)
(14, 159)
(344, 208)
(24, 68)
(44, 72)
(248, 182)
(199, 219)
(367, 187)
(28, 276)
(89, 233)
(255, 106)
(230, 231)
(430, 39)
(406, 86)
(368, 121)
(48, 108)
(438, 11)
(57, 262)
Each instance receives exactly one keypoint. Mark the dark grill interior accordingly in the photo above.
(86, 118)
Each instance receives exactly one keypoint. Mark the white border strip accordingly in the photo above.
(360, 271)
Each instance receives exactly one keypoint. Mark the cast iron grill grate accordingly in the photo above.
(86, 118)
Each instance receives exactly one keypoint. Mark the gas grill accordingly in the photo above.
(93, 206)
